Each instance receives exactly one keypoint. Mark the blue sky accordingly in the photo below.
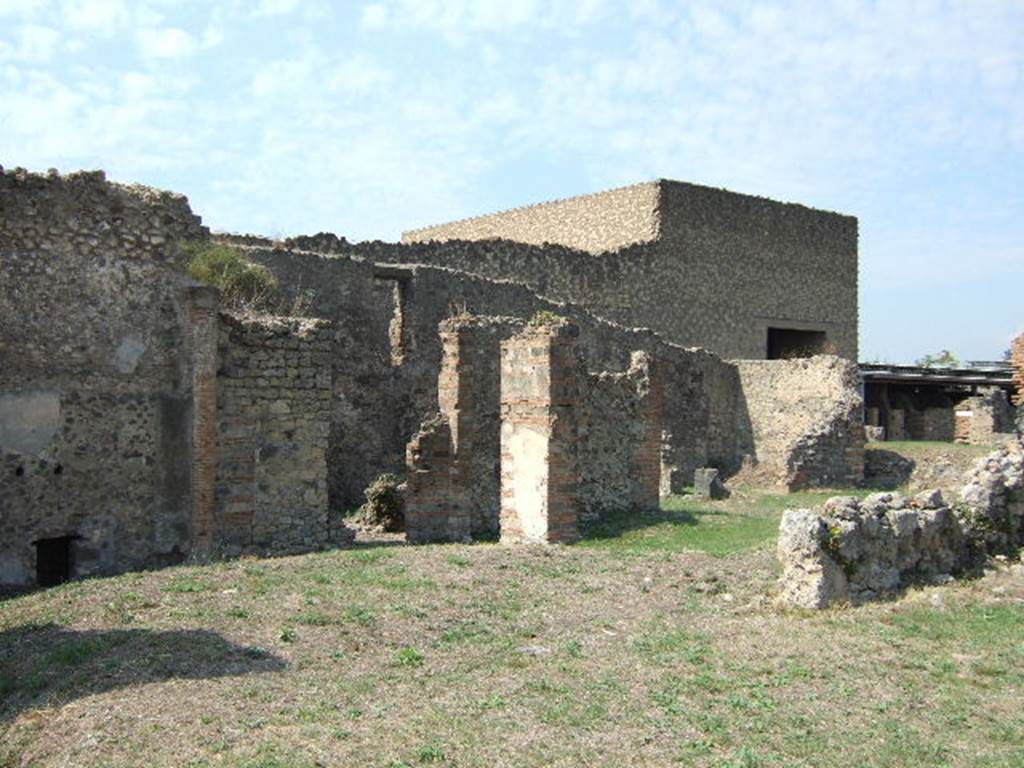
(283, 117)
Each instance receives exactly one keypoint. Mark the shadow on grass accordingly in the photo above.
(613, 525)
(49, 665)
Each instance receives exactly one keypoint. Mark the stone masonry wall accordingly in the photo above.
(804, 421)
(605, 221)
(621, 439)
(273, 409)
(379, 405)
(95, 373)
(985, 418)
(854, 551)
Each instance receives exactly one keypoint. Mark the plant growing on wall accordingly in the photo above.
(244, 286)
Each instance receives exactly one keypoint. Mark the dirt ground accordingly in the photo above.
(634, 648)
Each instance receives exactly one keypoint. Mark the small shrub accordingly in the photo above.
(385, 506)
(243, 286)
(544, 317)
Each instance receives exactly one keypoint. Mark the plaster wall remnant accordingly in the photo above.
(540, 391)
(29, 421)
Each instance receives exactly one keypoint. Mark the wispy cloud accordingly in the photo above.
(370, 118)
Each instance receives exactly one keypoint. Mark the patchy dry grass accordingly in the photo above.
(493, 656)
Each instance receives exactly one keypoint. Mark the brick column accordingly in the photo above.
(204, 330)
(431, 507)
(645, 463)
(540, 372)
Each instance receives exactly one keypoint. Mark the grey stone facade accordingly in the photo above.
(702, 266)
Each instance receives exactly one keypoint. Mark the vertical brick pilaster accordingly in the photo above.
(645, 463)
(540, 391)
(1017, 361)
(204, 330)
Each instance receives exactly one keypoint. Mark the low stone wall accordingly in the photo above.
(273, 410)
(851, 551)
(803, 425)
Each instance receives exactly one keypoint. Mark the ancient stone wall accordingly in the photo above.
(596, 223)
(985, 418)
(804, 425)
(621, 428)
(380, 401)
(95, 374)
(273, 412)
(854, 551)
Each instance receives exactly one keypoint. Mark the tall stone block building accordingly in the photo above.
(742, 276)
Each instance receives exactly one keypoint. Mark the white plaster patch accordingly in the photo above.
(528, 450)
(129, 353)
(29, 421)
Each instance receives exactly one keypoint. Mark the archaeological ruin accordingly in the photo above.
(524, 372)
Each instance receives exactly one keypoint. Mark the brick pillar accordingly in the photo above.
(431, 507)
(540, 382)
(1017, 361)
(469, 395)
(204, 330)
(645, 463)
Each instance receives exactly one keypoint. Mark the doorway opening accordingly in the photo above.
(53, 561)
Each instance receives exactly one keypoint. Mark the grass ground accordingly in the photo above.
(653, 643)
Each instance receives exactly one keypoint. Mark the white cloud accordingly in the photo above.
(34, 43)
(374, 15)
(165, 43)
(276, 7)
(22, 7)
(99, 16)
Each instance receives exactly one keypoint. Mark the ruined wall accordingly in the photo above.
(273, 411)
(95, 372)
(985, 418)
(469, 395)
(605, 221)
(1017, 361)
(854, 551)
(380, 399)
(621, 428)
(804, 421)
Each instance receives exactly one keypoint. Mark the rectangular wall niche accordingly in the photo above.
(788, 343)
(53, 561)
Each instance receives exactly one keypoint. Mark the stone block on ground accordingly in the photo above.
(707, 483)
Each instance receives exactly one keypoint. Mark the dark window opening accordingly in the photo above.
(53, 561)
(788, 343)
(20, 471)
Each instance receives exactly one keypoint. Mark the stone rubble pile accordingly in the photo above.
(853, 551)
